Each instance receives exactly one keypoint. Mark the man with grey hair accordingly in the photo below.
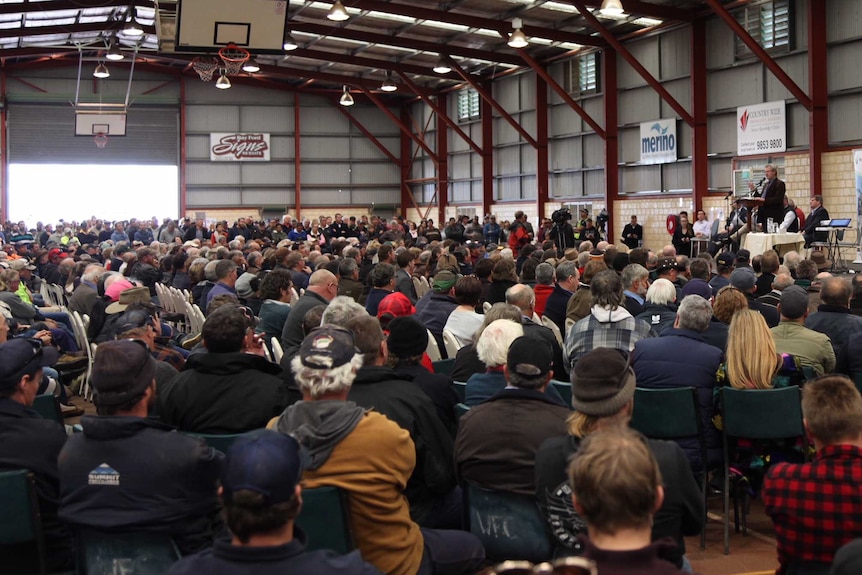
(522, 297)
(567, 283)
(660, 309)
(226, 276)
(86, 295)
(635, 280)
(341, 310)
(544, 286)
(498, 440)
(781, 282)
(334, 430)
(609, 324)
(681, 358)
(833, 315)
(349, 284)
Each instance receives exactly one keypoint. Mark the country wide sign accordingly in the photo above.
(239, 147)
(761, 129)
(658, 141)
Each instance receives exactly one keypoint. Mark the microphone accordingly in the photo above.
(760, 183)
(730, 193)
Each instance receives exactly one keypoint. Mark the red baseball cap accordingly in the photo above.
(397, 304)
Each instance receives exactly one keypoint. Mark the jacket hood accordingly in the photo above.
(320, 425)
(230, 363)
(118, 426)
(376, 374)
(604, 315)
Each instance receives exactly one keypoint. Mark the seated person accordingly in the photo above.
(126, 472)
(261, 499)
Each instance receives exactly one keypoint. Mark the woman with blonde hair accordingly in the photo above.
(752, 361)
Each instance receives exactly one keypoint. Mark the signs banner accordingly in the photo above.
(239, 147)
(658, 141)
(761, 129)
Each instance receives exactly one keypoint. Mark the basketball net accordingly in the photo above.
(233, 57)
(101, 140)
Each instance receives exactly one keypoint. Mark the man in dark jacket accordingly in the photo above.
(433, 310)
(434, 501)
(833, 315)
(523, 297)
(145, 271)
(744, 280)
(404, 275)
(230, 389)
(322, 288)
(567, 282)
(681, 358)
(29, 442)
(126, 472)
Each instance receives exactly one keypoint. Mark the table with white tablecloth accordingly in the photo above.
(758, 243)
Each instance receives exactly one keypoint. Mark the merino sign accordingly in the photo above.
(658, 141)
(234, 147)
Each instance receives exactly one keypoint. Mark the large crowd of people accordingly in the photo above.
(357, 403)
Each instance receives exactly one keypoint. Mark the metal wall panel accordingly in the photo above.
(840, 109)
(214, 173)
(373, 119)
(565, 154)
(796, 67)
(326, 174)
(529, 159)
(198, 92)
(528, 187)
(504, 133)
(563, 120)
(212, 197)
(640, 179)
(324, 147)
(676, 176)
(198, 147)
(683, 139)
(272, 119)
(720, 173)
(459, 164)
(675, 46)
(528, 122)
(639, 105)
(681, 91)
(507, 160)
(647, 53)
(267, 173)
(595, 107)
(507, 93)
(460, 191)
(509, 188)
(477, 165)
(722, 133)
(594, 151)
(282, 147)
(375, 173)
(797, 125)
(734, 87)
(207, 119)
(361, 148)
(528, 90)
(630, 144)
(844, 20)
(566, 185)
(316, 120)
(381, 196)
(799, 19)
(845, 66)
(476, 188)
(594, 183)
(719, 44)
(268, 197)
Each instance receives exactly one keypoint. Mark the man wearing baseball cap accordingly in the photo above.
(129, 472)
(261, 499)
(812, 348)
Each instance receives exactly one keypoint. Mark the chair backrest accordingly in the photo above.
(217, 441)
(325, 519)
(451, 343)
(138, 553)
(277, 351)
(417, 285)
(460, 389)
(444, 366)
(762, 413)
(486, 307)
(509, 525)
(569, 323)
(48, 406)
(564, 388)
(666, 413)
(713, 230)
(433, 350)
(549, 323)
(460, 409)
(20, 521)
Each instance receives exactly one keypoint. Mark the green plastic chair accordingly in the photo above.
(137, 553)
(672, 414)
(48, 406)
(509, 525)
(20, 521)
(756, 414)
(564, 388)
(325, 519)
(460, 410)
(460, 389)
(216, 441)
(444, 366)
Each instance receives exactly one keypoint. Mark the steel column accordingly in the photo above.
(406, 162)
(297, 155)
(633, 62)
(542, 160)
(612, 153)
(401, 124)
(487, 97)
(540, 71)
(487, 118)
(183, 151)
(762, 55)
(699, 140)
(818, 119)
(366, 133)
(443, 156)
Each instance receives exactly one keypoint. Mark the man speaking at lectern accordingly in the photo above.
(773, 198)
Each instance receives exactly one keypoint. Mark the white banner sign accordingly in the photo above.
(234, 147)
(761, 129)
(658, 141)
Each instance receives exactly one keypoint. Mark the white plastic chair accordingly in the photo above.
(548, 323)
(433, 350)
(277, 351)
(569, 323)
(451, 343)
(486, 307)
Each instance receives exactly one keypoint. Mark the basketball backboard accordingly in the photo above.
(207, 25)
(90, 123)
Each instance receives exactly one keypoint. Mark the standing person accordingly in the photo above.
(812, 222)
(633, 233)
(491, 230)
(519, 234)
(773, 197)
(682, 236)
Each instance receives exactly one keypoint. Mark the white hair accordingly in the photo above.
(507, 253)
(92, 273)
(493, 344)
(661, 292)
(318, 382)
(341, 310)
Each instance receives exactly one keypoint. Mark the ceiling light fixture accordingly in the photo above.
(388, 85)
(251, 66)
(517, 39)
(611, 8)
(338, 13)
(289, 43)
(101, 71)
(132, 28)
(114, 53)
(222, 83)
(346, 99)
(442, 67)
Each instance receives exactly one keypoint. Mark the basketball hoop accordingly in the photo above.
(205, 66)
(233, 57)
(101, 140)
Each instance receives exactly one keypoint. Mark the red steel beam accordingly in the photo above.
(361, 36)
(367, 134)
(542, 160)
(297, 154)
(699, 140)
(419, 141)
(53, 5)
(399, 67)
(502, 26)
(540, 71)
(761, 54)
(486, 96)
(633, 62)
(612, 170)
(487, 118)
(443, 155)
(818, 119)
(67, 29)
(440, 111)
(286, 72)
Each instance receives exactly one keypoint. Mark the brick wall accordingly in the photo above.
(652, 214)
(839, 192)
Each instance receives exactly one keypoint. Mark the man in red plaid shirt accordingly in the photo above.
(817, 507)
